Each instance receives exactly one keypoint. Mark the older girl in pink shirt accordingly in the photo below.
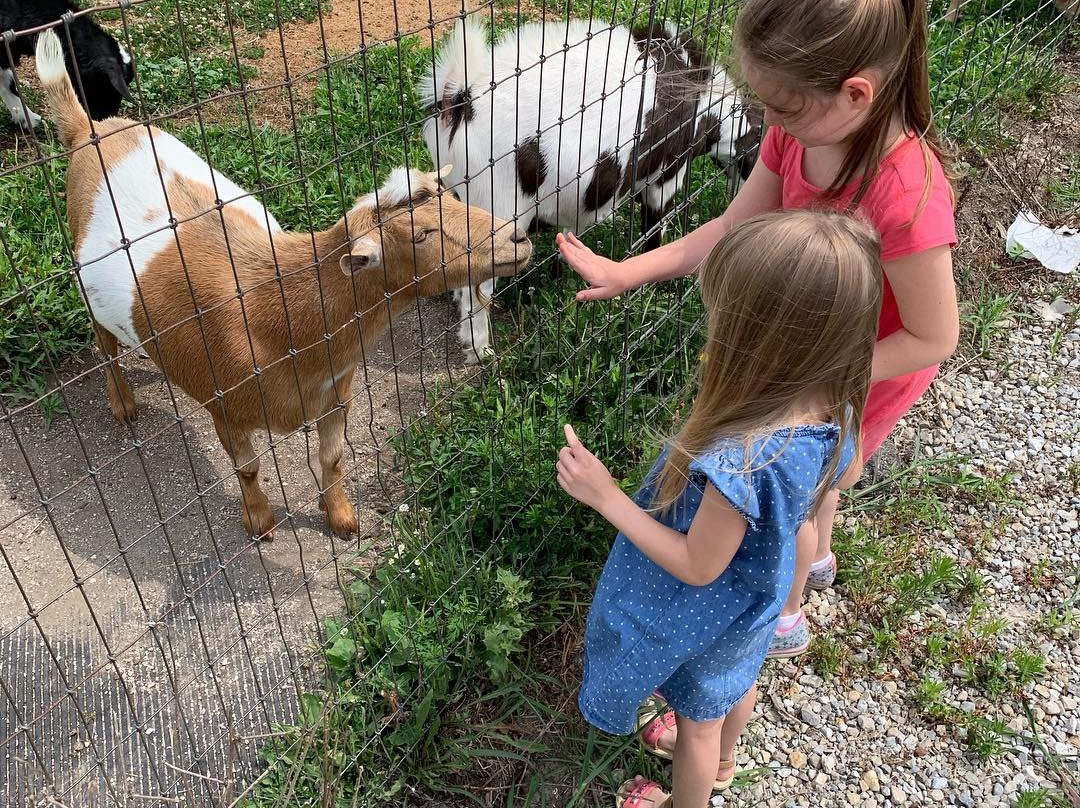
(846, 94)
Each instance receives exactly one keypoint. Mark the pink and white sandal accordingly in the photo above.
(632, 794)
(652, 724)
(653, 721)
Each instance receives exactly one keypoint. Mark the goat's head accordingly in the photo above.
(729, 128)
(105, 70)
(416, 228)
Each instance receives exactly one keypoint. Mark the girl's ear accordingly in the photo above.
(858, 92)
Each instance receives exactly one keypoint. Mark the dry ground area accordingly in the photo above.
(147, 559)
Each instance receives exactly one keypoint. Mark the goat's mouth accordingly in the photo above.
(510, 262)
(504, 269)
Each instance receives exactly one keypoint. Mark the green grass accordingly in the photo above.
(43, 319)
(184, 48)
(985, 319)
(1064, 192)
(986, 64)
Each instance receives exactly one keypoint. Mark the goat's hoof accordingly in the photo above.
(259, 525)
(124, 410)
(474, 357)
(24, 124)
(341, 516)
(342, 521)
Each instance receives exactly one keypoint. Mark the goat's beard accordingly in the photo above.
(479, 296)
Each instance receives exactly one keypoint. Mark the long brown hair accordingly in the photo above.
(816, 45)
(793, 300)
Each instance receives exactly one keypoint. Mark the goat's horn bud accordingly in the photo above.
(442, 172)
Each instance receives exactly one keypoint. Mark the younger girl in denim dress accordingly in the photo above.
(705, 554)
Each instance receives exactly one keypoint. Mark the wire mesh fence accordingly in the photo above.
(322, 368)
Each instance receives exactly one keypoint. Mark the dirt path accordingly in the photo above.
(212, 635)
(304, 47)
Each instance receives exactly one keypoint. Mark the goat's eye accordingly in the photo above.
(421, 237)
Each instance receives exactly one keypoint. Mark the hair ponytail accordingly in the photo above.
(918, 112)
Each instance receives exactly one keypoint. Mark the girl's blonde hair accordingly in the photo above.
(816, 45)
(793, 300)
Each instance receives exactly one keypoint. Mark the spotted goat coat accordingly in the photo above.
(561, 121)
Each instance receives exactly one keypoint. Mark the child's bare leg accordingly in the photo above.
(693, 767)
(826, 515)
(806, 543)
(734, 724)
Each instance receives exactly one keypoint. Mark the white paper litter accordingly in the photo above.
(1057, 250)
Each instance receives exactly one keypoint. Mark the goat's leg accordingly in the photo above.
(23, 117)
(256, 510)
(651, 226)
(475, 329)
(121, 401)
(339, 511)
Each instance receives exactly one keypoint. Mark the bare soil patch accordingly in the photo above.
(990, 195)
(300, 50)
(144, 558)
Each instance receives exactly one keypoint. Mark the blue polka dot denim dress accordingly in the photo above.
(703, 646)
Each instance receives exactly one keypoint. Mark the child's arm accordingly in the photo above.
(607, 278)
(697, 558)
(926, 298)
(853, 472)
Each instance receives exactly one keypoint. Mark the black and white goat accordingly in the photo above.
(104, 66)
(561, 121)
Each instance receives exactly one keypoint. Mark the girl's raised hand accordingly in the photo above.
(604, 276)
(581, 475)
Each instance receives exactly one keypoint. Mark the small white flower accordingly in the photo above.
(403, 507)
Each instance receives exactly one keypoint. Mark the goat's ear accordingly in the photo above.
(116, 78)
(364, 253)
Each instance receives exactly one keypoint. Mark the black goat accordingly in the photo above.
(103, 65)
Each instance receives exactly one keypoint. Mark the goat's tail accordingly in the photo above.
(64, 108)
(463, 61)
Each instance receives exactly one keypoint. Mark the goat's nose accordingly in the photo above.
(519, 236)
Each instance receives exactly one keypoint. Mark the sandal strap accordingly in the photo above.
(638, 793)
(657, 727)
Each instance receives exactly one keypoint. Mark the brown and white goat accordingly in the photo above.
(261, 326)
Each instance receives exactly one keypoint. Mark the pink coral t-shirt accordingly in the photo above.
(890, 204)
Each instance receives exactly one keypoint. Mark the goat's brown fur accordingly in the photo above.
(281, 354)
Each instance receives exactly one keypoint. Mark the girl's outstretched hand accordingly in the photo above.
(582, 476)
(605, 277)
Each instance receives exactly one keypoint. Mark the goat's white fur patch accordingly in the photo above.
(106, 272)
(398, 188)
(124, 55)
(460, 61)
(401, 185)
